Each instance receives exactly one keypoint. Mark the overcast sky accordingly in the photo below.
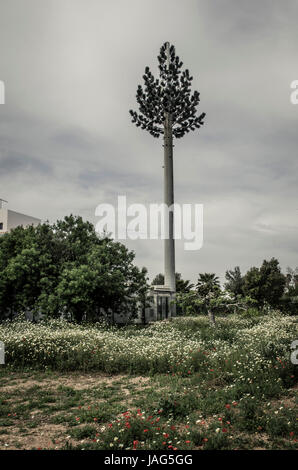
(71, 69)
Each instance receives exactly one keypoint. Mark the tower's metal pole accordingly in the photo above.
(169, 243)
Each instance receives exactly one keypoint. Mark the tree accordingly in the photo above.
(26, 275)
(158, 280)
(265, 284)
(168, 97)
(181, 285)
(208, 282)
(193, 303)
(106, 285)
(208, 288)
(235, 282)
(67, 268)
(292, 279)
(289, 300)
(25, 270)
(167, 107)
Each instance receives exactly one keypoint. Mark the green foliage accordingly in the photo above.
(251, 312)
(289, 301)
(170, 93)
(175, 405)
(66, 268)
(188, 303)
(235, 282)
(265, 284)
(208, 284)
(212, 392)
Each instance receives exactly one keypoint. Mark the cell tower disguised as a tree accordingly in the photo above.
(167, 107)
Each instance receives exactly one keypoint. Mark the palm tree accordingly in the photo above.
(235, 281)
(208, 282)
(208, 287)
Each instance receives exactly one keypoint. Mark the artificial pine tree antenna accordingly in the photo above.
(168, 95)
(166, 106)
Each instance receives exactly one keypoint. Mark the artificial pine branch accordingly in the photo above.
(170, 93)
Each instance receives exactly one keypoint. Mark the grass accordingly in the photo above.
(200, 388)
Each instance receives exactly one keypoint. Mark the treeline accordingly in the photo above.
(67, 269)
(260, 290)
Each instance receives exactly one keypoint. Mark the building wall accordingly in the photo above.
(3, 220)
(14, 219)
(11, 219)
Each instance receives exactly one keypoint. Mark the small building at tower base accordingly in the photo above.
(162, 300)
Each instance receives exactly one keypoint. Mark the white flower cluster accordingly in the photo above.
(161, 346)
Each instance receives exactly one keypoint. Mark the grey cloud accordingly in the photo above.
(12, 163)
(74, 139)
(71, 70)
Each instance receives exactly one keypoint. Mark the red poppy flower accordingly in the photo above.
(135, 443)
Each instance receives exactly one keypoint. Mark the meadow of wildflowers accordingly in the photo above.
(227, 387)
(238, 347)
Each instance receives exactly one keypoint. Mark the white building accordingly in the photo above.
(10, 219)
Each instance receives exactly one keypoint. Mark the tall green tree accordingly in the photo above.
(107, 284)
(67, 268)
(289, 301)
(265, 284)
(208, 289)
(235, 282)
